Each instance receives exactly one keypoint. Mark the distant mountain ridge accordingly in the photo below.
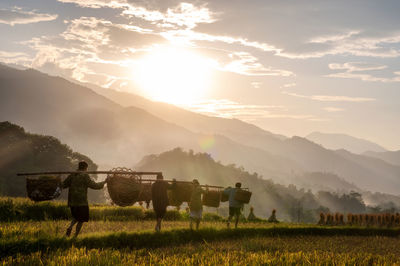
(114, 135)
(342, 141)
(392, 157)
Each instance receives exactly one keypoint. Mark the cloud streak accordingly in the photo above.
(18, 16)
(353, 70)
(247, 112)
(330, 98)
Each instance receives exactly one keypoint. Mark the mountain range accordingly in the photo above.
(343, 141)
(118, 129)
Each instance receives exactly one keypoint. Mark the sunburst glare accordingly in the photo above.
(174, 75)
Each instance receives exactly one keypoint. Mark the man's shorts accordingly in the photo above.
(196, 214)
(80, 213)
(160, 212)
(234, 211)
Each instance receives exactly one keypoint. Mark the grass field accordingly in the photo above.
(34, 235)
(133, 242)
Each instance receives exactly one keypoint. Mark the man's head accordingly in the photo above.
(160, 176)
(82, 166)
(196, 182)
(238, 185)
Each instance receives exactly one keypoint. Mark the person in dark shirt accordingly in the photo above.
(78, 184)
(160, 199)
(196, 205)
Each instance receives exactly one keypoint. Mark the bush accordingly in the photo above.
(212, 217)
(7, 210)
(22, 209)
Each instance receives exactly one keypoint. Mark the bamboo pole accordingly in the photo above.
(89, 172)
(113, 172)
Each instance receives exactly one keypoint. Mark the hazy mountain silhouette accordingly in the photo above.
(24, 152)
(308, 155)
(343, 141)
(292, 203)
(234, 129)
(109, 133)
(114, 135)
(392, 157)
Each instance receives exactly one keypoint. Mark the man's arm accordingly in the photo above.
(94, 185)
(67, 182)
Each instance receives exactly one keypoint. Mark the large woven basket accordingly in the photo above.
(124, 190)
(212, 198)
(180, 192)
(243, 196)
(43, 188)
(224, 196)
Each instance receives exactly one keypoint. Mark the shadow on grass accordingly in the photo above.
(178, 237)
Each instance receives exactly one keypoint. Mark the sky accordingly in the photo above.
(289, 67)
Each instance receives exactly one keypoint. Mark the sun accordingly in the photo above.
(173, 75)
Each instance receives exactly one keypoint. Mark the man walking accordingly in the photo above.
(235, 206)
(159, 197)
(78, 184)
(196, 205)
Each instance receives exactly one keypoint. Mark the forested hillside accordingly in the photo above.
(292, 203)
(24, 152)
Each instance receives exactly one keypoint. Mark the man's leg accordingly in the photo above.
(69, 229)
(229, 221)
(191, 223)
(158, 225)
(78, 228)
(237, 216)
(197, 223)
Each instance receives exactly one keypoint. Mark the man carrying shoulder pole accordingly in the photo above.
(78, 185)
(159, 198)
(235, 206)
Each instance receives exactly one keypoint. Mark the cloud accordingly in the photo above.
(289, 85)
(256, 84)
(357, 66)
(17, 58)
(353, 70)
(184, 15)
(18, 16)
(246, 64)
(333, 109)
(92, 47)
(330, 98)
(247, 112)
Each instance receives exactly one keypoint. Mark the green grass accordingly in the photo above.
(146, 239)
(125, 236)
(22, 209)
(294, 250)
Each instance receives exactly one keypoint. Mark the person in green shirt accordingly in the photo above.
(196, 205)
(235, 207)
(78, 184)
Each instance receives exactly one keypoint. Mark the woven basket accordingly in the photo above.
(183, 191)
(224, 196)
(243, 196)
(172, 200)
(123, 190)
(212, 198)
(43, 188)
(179, 193)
